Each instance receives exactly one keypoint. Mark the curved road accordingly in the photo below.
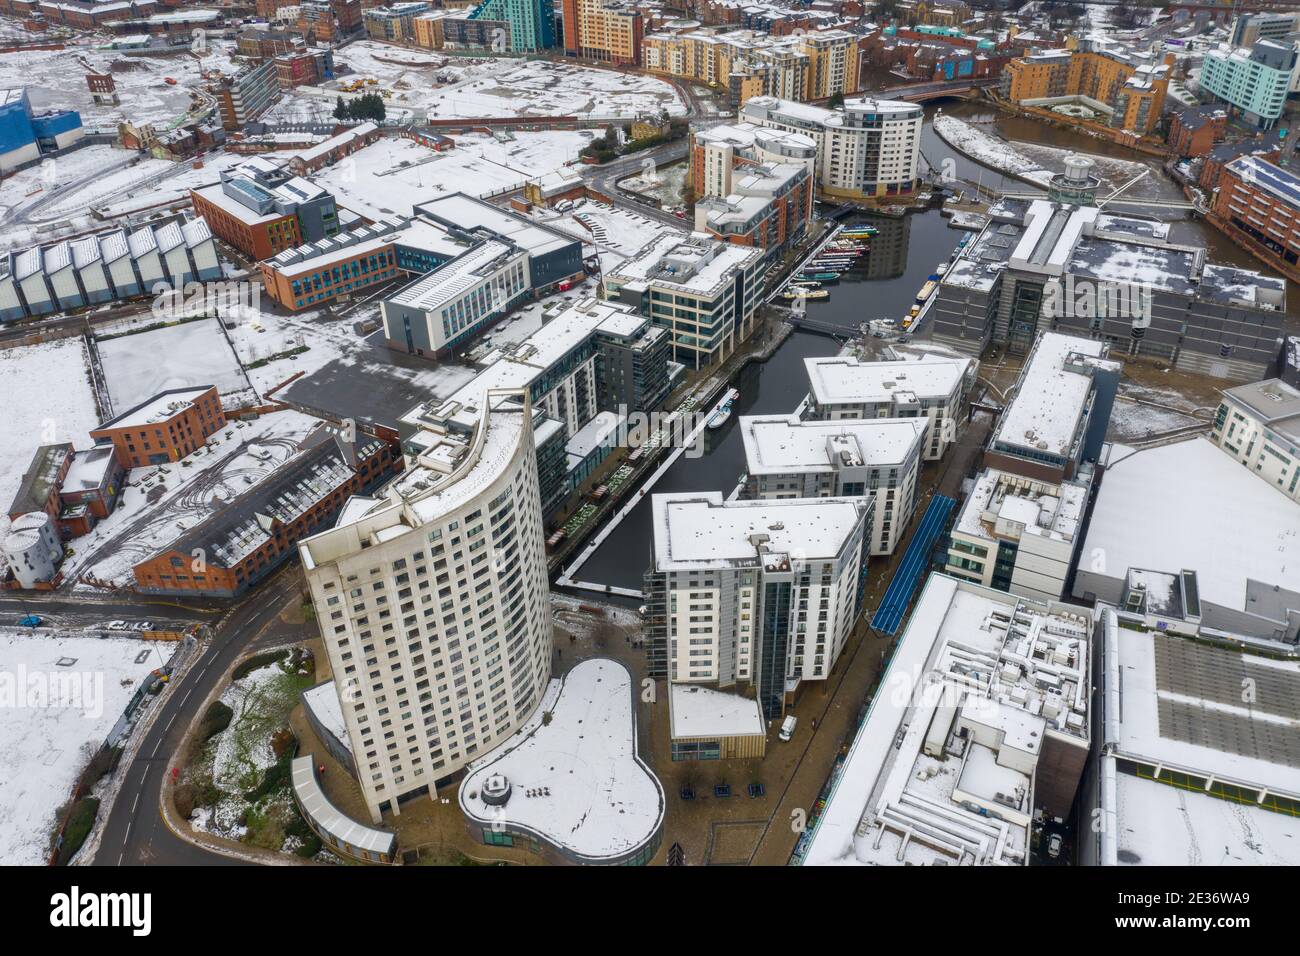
(134, 832)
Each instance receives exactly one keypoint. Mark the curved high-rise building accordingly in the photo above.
(432, 601)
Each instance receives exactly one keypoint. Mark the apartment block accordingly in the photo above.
(247, 95)
(868, 149)
(757, 593)
(768, 207)
(1258, 204)
(930, 388)
(788, 457)
(433, 604)
(165, 428)
(603, 30)
(1253, 82)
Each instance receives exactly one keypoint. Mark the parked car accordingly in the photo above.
(118, 626)
(143, 626)
(29, 620)
(1054, 845)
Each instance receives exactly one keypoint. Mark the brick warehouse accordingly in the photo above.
(255, 532)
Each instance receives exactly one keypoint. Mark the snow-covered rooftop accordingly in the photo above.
(1189, 505)
(1052, 395)
(571, 776)
(786, 444)
(912, 789)
(840, 380)
(700, 530)
(698, 711)
(1000, 499)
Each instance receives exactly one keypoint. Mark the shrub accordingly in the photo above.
(183, 798)
(78, 828)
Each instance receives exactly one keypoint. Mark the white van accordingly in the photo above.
(787, 727)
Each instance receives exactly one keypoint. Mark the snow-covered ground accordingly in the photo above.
(989, 150)
(158, 503)
(392, 175)
(664, 183)
(47, 399)
(615, 232)
(197, 354)
(426, 85)
(46, 742)
(1131, 421)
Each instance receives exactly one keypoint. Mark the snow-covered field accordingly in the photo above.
(197, 353)
(989, 150)
(47, 399)
(158, 503)
(44, 748)
(428, 86)
(392, 175)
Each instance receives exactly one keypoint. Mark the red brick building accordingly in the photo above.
(257, 531)
(165, 428)
(1193, 131)
(1258, 204)
(39, 490)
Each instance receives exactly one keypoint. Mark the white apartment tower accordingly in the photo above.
(432, 601)
(786, 457)
(754, 592)
(868, 149)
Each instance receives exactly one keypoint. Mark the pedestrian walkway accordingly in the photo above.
(915, 562)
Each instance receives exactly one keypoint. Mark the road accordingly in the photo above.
(135, 833)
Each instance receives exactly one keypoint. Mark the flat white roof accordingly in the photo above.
(786, 444)
(1189, 505)
(838, 380)
(159, 408)
(698, 711)
(1050, 400)
(700, 530)
(1160, 825)
(1043, 508)
(575, 780)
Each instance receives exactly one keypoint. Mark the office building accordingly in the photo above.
(165, 428)
(1259, 426)
(1040, 266)
(879, 458)
(931, 387)
(262, 209)
(1059, 409)
(703, 291)
(442, 576)
(256, 531)
(1019, 534)
(986, 720)
(757, 593)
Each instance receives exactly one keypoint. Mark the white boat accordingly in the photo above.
(722, 413)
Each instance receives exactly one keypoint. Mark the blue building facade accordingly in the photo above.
(25, 137)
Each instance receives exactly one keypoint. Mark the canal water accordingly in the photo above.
(883, 284)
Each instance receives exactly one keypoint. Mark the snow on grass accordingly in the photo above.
(48, 399)
(1131, 421)
(197, 353)
(160, 502)
(988, 150)
(236, 760)
(43, 749)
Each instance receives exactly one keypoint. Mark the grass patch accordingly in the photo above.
(79, 823)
